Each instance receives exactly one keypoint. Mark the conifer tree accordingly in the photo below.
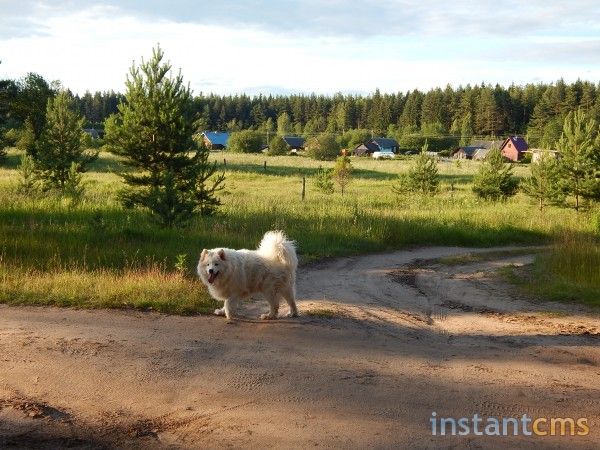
(324, 180)
(61, 142)
(543, 184)
(494, 180)
(153, 132)
(422, 176)
(580, 157)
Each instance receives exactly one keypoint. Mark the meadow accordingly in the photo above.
(97, 254)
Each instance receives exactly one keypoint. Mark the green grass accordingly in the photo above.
(568, 272)
(51, 253)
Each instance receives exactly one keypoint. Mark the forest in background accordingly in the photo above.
(536, 111)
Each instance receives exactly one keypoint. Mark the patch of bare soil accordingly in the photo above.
(384, 341)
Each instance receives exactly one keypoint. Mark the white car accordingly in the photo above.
(384, 154)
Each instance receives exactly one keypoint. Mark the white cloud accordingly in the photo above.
(93, 49)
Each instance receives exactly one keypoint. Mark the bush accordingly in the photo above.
(353, 138)
(323, 147)
(342, 172)
(246, 141)
(277, 146)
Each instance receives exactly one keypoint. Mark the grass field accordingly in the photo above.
(100, 255)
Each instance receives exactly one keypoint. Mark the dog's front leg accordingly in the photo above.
(228, 308)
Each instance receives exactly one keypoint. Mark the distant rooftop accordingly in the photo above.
(217, 137)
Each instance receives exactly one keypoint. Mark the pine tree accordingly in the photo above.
(26, 140)
(422, 176)
(543, 184)
(153, 132)
(342, 172)
(324, 180)
(28, 180)
(580, 157)
(494, 180)
(204, 182)
(61, 142)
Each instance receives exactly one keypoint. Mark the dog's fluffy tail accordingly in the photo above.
(275, 245)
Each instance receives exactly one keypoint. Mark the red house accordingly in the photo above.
(514, 148)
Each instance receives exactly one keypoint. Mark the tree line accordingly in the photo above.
(456, 114)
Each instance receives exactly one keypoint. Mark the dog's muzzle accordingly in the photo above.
(212, 277)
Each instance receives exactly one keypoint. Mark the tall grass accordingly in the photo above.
(101, 255)
(569, 271)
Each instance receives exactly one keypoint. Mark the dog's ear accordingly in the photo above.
(221, 254)
(203, 254)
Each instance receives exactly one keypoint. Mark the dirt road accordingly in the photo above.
(383, 341)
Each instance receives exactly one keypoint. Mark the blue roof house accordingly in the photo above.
(215, 140)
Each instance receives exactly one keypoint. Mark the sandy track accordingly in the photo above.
(409, 336)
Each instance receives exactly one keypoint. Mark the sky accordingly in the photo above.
(287, 46)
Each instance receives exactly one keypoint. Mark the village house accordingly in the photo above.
(215, 140)
(465, 152)
(376, 145)
(476, 150)
(295, 143)
(513, 148)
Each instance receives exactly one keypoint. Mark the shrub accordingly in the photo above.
(342, 172)
(246, 141)
(323, 147)
(277, 146)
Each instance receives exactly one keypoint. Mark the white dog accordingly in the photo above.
(234, 275)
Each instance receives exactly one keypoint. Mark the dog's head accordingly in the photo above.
(212, 265)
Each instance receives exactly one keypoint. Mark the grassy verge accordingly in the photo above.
(101, 255)
(568, 272)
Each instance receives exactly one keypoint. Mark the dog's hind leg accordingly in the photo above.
(289, 297)
(273, 308)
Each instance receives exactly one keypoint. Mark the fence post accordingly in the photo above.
(265, 166)
(224, 162)
(303, 187)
